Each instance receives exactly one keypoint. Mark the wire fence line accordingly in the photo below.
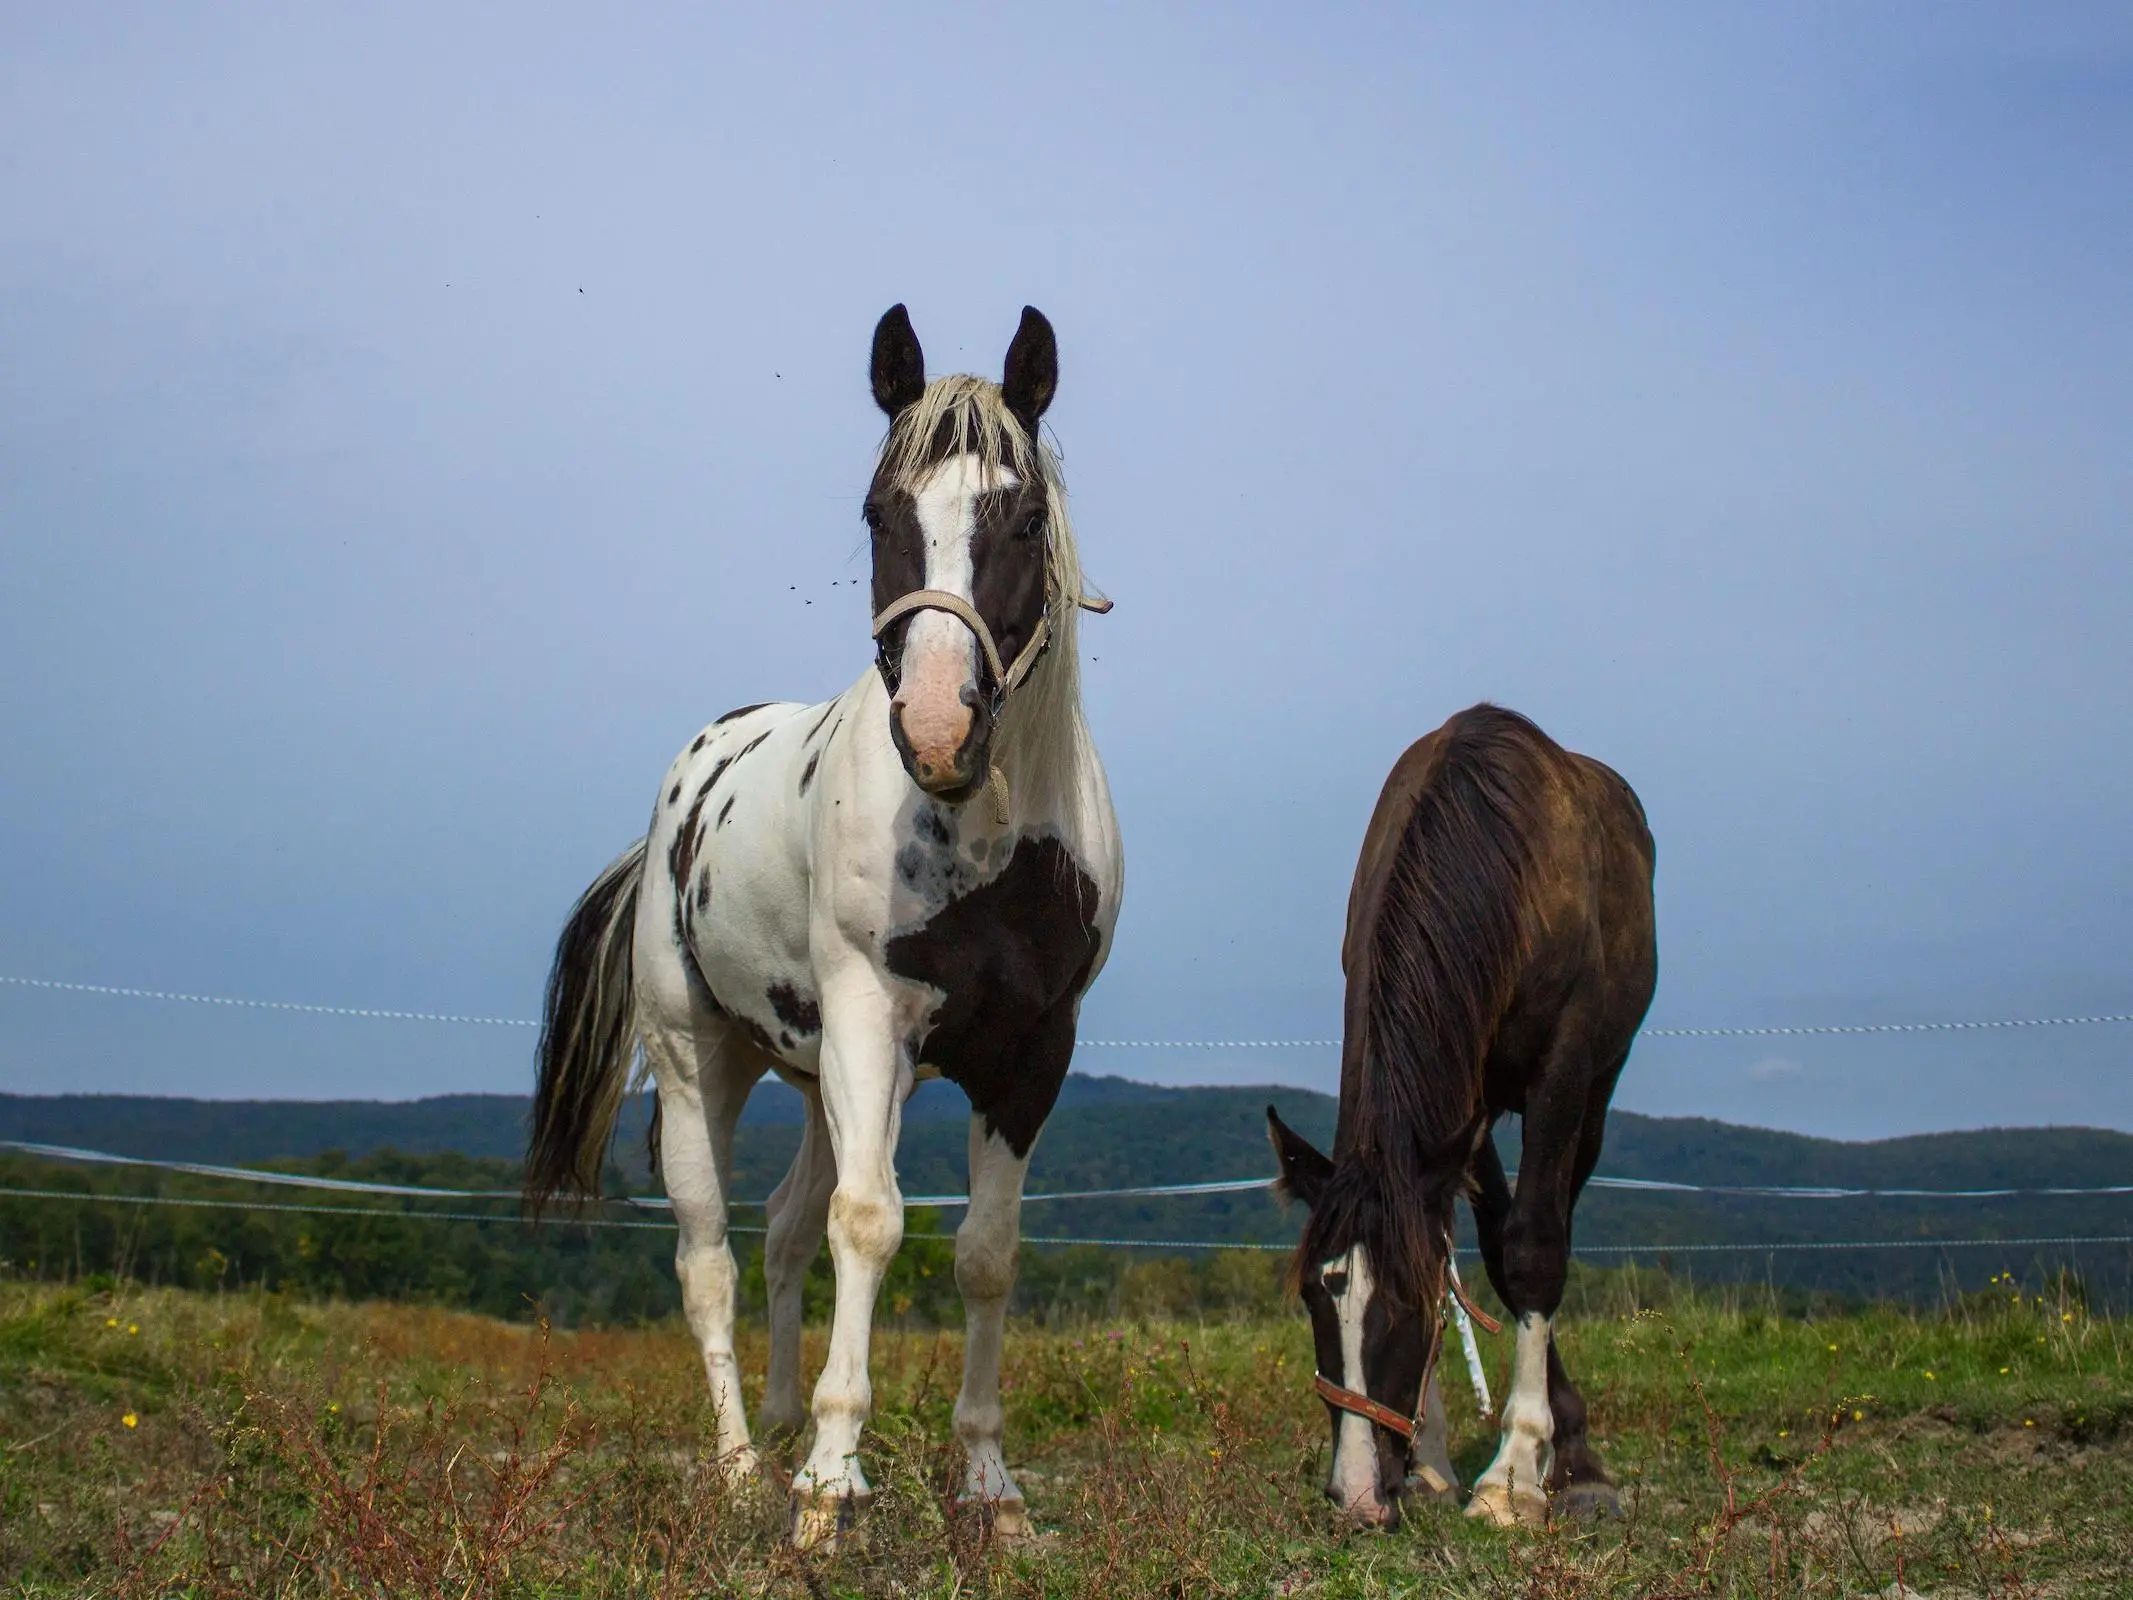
(383, 1015)
(1220, 1186)
(265, 1005)
(1166, 1191)
(1662, 1249)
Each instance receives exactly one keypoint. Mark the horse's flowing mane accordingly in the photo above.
(1041, 738)
(1451, 930)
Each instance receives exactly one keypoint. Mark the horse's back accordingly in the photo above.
(723, 916)
(1511, 832)
(1505, 753)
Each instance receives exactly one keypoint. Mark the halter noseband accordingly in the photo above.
(1006, 679)
(1361, 1405)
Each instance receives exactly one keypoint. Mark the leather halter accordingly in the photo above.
(1006, 678)
(1361, 1405)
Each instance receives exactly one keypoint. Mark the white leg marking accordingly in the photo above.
(1354, 1480)
(863, 1087)
(700, 1095)
(985, 1263)
(798, 1213)
(1514, 1489)
(1433, 1472)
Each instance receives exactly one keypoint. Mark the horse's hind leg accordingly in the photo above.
(704, 1070)
(1433, 1474)
(799, 1211)
(1583, 1489)
(985, 1263)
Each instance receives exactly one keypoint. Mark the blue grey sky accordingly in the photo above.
(416, 421)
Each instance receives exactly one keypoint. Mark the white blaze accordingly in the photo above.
(1354, 1480)
(940, 653)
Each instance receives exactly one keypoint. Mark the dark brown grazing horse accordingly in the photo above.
(1500, 957)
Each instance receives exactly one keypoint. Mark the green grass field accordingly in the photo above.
(163, 1443)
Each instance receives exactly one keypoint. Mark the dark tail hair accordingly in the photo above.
(588, 1037)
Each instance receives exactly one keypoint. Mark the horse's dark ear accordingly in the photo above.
(1031, 376)
(899, 365)
(1303, 1170)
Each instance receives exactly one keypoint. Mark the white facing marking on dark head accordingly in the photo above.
(1354, 1478)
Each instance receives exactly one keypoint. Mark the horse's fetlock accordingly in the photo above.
(977, 1425)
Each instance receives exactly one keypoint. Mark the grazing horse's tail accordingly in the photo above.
(588, 1036)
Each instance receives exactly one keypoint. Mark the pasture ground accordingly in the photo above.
(164, 1443)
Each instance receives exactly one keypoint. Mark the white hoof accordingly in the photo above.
(1497, 1503)
(738, 1467)
(1006, 1517)
(827, 1523)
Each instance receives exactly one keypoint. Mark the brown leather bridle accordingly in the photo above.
(1361, 1405)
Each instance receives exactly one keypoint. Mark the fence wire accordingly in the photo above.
(1047, 1239)
(383, 1015)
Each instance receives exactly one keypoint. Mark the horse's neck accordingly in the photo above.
(1052, 767)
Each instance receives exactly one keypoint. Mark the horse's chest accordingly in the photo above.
(1003, 954)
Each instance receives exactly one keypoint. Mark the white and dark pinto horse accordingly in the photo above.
(1500, 956)
(919, 878)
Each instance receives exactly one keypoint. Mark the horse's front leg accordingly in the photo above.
(1527, 1245)
(985, 1263)
(864, 1081)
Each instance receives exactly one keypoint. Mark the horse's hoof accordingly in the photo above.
(1006, 1518)
(1494, 1503)
(826, 1523)
(738, 1467)
(1426, 1483)
(1593, 1501)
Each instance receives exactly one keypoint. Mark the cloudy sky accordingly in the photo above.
(415, 421)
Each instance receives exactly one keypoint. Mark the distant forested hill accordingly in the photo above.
(1110, 1132)
(1106, 1132)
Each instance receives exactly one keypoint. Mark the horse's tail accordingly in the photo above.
(588, 1037)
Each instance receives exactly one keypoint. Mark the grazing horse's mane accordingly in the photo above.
(1041, 739)
(1435, 945)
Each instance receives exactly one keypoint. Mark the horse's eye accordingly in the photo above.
(1032, 527)
(1336, 1284)
(873, 515)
